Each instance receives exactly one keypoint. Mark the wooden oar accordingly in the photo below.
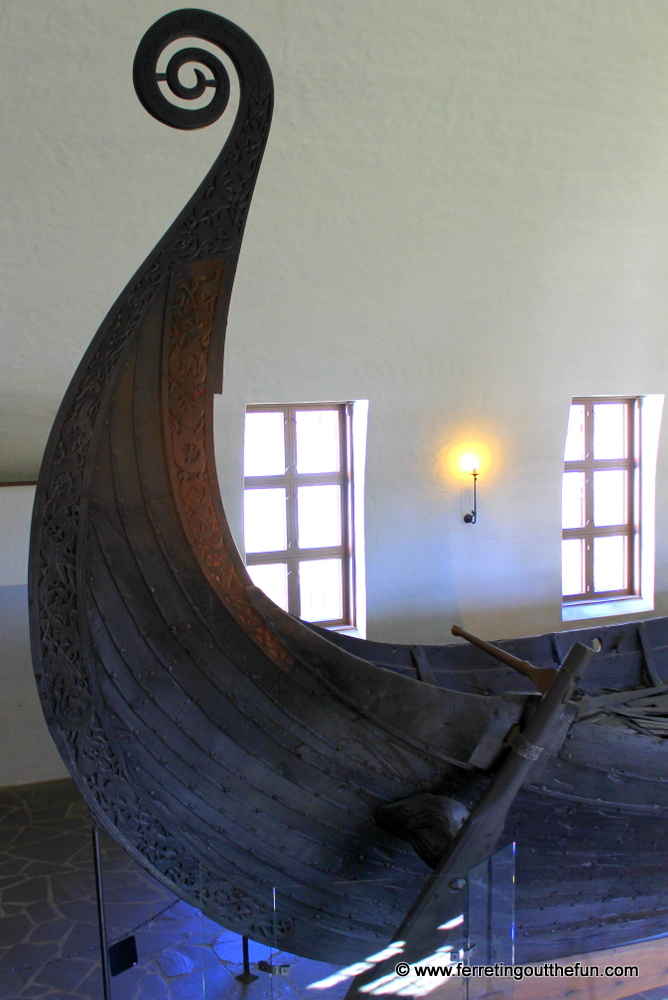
(443, 898)
(542, 677)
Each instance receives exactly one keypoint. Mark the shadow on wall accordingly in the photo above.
(27, 752)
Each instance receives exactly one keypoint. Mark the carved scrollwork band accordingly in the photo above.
(211, 225)
(188, 347)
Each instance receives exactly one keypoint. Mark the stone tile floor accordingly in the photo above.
(48, 919)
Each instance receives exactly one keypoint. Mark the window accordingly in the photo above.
(298, 503)
(601, 500)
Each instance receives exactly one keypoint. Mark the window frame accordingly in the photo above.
(292, 555)
(631, 527)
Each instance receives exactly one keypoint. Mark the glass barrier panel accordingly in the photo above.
(491, 924)
(234, 966)
(366, 915)
(464, 924)
(49, 939)
(154, 939)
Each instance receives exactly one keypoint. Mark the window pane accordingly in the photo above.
(610, 430)
(575, 435)
(572, 566)
(610, 563)
(610, 496)
(317, 441)
(264, 449)
(573, 500)
(273, 579)
(319, 516)
(264, 520)
(320, 589)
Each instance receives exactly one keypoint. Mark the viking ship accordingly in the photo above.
(231, 748)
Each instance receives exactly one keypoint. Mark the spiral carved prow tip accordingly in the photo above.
(186, 24)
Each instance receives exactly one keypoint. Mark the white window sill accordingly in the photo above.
(344, 630)
(605, 609)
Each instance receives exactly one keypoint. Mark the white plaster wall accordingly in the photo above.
(27, 752)
(15, 511)
(462, 216)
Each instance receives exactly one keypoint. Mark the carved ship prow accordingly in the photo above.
(232, 749)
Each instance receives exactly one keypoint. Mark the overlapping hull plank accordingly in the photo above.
(259, 770)
(231, 749)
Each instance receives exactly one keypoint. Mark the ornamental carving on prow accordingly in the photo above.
(211, 225)
(191, 330)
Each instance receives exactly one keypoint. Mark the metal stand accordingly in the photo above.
(246, 976)
(104, 957)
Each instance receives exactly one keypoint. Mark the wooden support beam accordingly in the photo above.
(422, 665)
(650, 666)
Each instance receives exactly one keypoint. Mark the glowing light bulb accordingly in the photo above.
(469, 463)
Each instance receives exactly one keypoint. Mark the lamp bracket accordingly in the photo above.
(473, 516)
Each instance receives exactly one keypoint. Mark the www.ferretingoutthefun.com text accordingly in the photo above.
(548, 970)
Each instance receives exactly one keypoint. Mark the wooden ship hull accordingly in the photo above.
(230, 748)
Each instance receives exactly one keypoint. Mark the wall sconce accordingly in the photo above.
(471, 463)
